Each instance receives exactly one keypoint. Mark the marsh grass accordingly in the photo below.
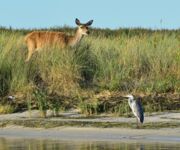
(124, 60)
(89, 108)
(5, 109)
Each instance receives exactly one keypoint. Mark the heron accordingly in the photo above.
(136, 107)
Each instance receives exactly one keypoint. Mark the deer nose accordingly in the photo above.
(88, 32)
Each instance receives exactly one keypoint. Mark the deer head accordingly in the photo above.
(83, 28)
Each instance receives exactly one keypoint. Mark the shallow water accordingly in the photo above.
(41, 144)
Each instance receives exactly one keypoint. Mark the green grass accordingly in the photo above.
(125, 60)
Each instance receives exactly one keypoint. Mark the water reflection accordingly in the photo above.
(34, 144)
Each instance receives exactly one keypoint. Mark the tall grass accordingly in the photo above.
(137, 61)
(138, 64)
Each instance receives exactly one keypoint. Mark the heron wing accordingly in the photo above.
(139, 111)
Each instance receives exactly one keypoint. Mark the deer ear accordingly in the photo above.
(77, 22)
(89, 22)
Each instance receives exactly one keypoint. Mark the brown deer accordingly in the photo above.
(39, 39)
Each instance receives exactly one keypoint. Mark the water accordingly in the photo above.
(40, 144)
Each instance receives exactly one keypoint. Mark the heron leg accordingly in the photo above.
(137, 123)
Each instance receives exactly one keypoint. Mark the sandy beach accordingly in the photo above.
(76, 116)
(90, 133)
(93, 134)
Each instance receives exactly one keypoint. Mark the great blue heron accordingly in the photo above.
(136, 108)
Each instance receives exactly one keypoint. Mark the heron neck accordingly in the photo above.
(130, 102)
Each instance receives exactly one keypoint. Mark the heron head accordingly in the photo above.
(129, 96)
(130, 99)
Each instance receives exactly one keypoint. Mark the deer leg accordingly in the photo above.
(29, 56)
(31, 49)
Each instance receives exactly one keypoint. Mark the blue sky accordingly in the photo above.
(105, 13)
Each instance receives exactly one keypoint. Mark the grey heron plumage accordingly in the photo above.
(136, 107)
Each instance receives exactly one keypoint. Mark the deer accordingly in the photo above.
(37, 40)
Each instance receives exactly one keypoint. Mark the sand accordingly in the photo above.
(95, 134)
(169, 135)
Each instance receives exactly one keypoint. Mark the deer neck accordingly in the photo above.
(76, 38)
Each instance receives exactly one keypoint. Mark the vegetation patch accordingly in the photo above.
(138, 61)
(45, 123)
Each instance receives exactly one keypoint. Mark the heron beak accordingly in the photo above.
(128, 96)
(125, 96)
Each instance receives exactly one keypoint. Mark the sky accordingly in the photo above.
(155, 14)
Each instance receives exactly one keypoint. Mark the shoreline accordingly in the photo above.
(93, 134)
(74, 119)
(71, 126)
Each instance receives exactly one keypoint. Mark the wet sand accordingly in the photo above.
(168, 134)
(93, 134)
